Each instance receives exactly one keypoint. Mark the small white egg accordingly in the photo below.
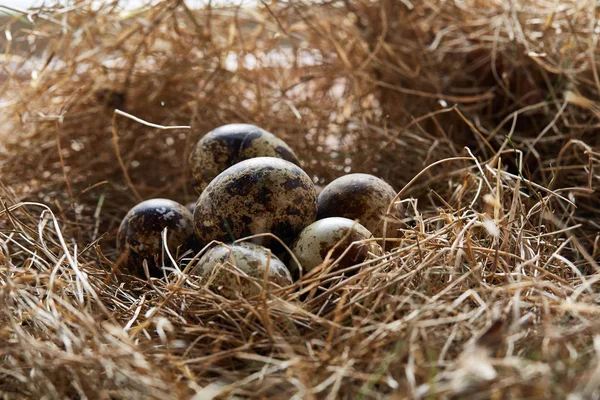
(318, 239)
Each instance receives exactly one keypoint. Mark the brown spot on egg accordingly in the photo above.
(285, 153)
(292, 183)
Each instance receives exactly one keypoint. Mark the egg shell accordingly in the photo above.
(140, 233)
(252, 259)
(256, 196)
(319, 238)
(227, 145)
(361, 197)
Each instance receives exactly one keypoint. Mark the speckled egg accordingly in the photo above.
(139, 234)
(361, 197)
(252, 259)
(229, 144)
(316, 240)
(258, 195)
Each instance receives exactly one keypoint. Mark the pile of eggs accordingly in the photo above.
(250, 185)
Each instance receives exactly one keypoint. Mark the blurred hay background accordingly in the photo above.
(493, 289)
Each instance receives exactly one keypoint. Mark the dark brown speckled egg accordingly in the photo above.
(337, 234)
(140, 233)
(217, 269)
(258, 195)
(361, 197)
(229, 144)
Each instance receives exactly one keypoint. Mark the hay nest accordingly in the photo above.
(483, 113)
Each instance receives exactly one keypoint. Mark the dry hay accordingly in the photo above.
(483, 112)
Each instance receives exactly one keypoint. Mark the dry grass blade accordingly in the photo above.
(483, 114)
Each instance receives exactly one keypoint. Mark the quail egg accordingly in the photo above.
(216, 266)
(229, 144)
(258, 195)
(140, 233)
(361, 197)
(319, 238)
